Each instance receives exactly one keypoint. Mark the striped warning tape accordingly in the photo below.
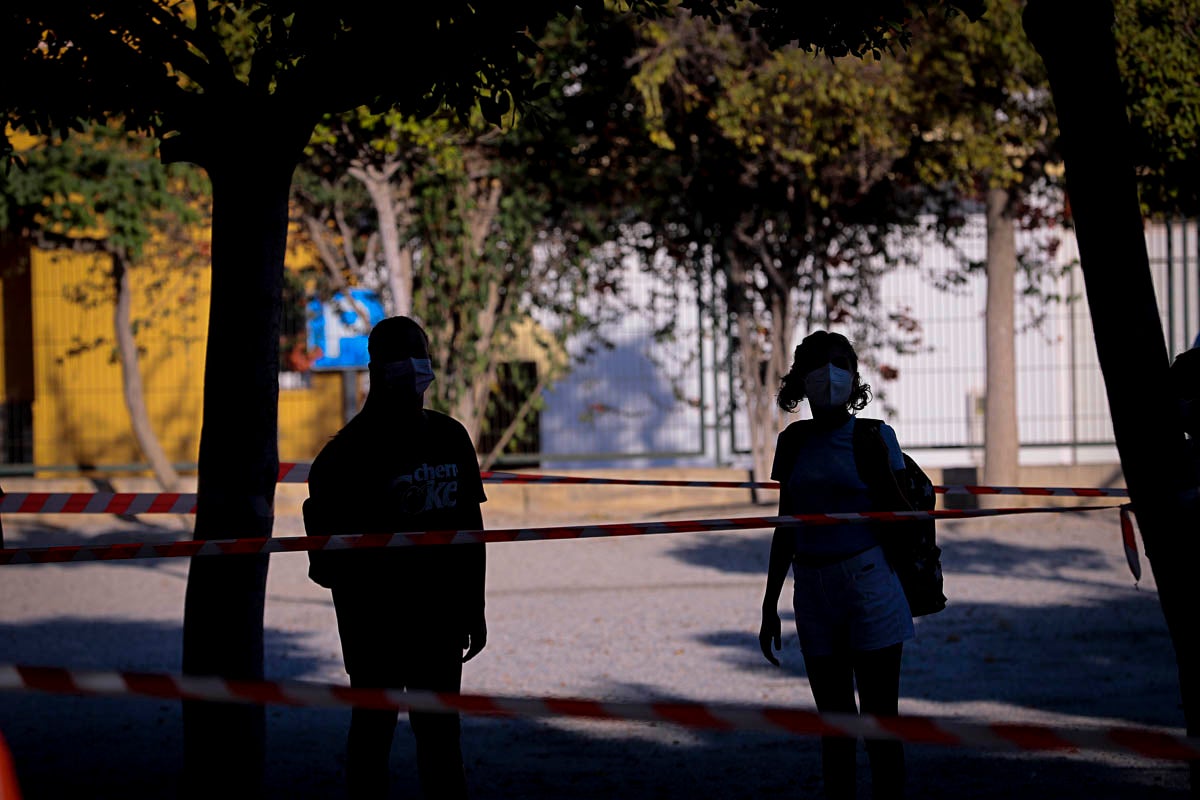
(292, 544)
(1129, 542)
(97, 503)
(958, 489)
(184, 503)
(293, 473)
(1145, 742)
(9, 788)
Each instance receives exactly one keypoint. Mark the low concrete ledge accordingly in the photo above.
(598, 501)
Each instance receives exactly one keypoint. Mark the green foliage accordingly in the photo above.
(185, 68)
(105, 186)
(782, 163)
(860, 28)
(1158, 50)
(503, 225)
(984, 119)
(104, 190)
(983, 105)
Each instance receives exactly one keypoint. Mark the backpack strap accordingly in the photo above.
(872, 460)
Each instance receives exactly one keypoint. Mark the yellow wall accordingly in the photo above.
(79, 412)
(309, 417)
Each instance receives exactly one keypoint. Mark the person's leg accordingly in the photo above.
(832, 681)
(368, 748)
(369, 742)
(436, 666)
(877, 673)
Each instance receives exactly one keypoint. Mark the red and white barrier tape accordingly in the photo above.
(9, 788)
(1129, 541)
(293, 473)
(958, 489)
(1145, 742)
(181, 503)
(98, 503)
(293, 544)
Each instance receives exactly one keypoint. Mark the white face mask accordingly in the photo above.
(828, 387)
(412, 375)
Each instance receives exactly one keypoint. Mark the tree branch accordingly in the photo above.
(168, 39)
(206, 35)
(510, 430)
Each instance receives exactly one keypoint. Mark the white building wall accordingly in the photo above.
(665, 401)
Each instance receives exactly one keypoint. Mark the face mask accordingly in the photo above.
(412, 375)
(828, 387)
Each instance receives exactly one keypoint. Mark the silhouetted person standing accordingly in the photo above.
(1185, 387)
(405, 615)
(851, 613)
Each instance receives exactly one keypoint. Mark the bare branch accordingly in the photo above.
(510, 430)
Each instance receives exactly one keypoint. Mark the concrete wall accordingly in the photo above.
(568, 503)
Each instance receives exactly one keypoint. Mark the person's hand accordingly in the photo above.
(770, 633)
(474, 640)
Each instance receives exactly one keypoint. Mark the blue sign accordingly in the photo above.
(338, 328)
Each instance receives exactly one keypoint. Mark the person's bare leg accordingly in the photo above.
(832, 682)
(368, 748)
(439, 755)
(877, 673)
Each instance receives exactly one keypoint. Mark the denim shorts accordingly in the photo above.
(851, 606)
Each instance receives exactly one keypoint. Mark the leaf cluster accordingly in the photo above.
(1158, 50)
(105, 186)
(784, 164)
(193, 68)
(857, 28)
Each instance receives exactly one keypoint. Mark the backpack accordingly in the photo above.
(910, 546)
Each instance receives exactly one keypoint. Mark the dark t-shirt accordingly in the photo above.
(385, 474)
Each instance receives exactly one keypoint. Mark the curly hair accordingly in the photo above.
(818, 348)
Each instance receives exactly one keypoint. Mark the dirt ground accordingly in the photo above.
(1045, 625)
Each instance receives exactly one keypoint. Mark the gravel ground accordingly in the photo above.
(1045, 625)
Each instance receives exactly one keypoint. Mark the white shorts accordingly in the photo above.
(851, 606)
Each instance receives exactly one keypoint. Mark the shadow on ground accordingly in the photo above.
(510, 759)
(748, 553)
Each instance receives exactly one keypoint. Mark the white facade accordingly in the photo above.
(664, 401)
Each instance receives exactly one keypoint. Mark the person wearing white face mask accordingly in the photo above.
(404, 615)
(851, 614)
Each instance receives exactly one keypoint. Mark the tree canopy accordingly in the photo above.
(1158, 46)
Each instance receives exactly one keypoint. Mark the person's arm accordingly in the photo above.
(475, 561)
(771, 631)
(783, 545)
(475, 629)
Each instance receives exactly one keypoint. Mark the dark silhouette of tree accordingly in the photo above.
(1078, 47)
(237, 87)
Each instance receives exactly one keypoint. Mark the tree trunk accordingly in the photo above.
(1076, 43)
(761, 372)
(1001, 446)
(397, 259)
(131, 379)
(239, 456)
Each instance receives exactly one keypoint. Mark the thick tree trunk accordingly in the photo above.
(1000, 443)
(1076, 43)
(131, 379)
(239, 460)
